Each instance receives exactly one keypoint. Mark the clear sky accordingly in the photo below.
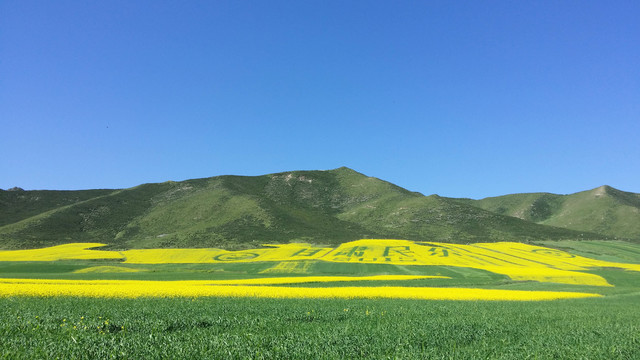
(459, 98)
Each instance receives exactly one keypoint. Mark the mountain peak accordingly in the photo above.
(603, 210)
(345, 169)
(602, 190)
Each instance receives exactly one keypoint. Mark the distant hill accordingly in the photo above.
(603, 210)
(233, 212)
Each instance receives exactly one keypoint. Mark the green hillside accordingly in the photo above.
(325, 207)
(603, 210)
(18, 204)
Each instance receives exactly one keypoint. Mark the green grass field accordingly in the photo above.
(38, 328)
(210, 327)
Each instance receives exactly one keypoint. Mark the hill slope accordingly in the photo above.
(603, 210)
(232, 212)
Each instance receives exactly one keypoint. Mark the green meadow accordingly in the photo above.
(217, 328)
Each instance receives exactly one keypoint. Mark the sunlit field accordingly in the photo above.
(363, 299)
(401, 269)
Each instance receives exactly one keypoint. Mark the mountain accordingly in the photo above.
(234, 212)
(602, 210)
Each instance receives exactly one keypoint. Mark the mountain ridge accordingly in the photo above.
(603, 209)
(233, 212)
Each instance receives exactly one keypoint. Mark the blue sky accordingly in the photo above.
(459, 98)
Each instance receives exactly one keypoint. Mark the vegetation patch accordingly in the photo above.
(106, 269)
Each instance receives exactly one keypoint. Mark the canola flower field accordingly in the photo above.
(369, 299)
(296, 263)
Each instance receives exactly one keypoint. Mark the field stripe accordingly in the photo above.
(135, 289)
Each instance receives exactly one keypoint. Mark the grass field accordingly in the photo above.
(63, 327)
(233, 326)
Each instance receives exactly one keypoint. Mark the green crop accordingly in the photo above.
(69, 328)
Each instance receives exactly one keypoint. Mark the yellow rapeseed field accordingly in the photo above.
(287, 252)
(521, 262)
(289, 267)
(197, 288)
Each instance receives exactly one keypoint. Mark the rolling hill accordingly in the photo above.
(235, 212)
(602, 210)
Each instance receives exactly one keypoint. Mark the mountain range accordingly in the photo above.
(320, 207)
(603, 210)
